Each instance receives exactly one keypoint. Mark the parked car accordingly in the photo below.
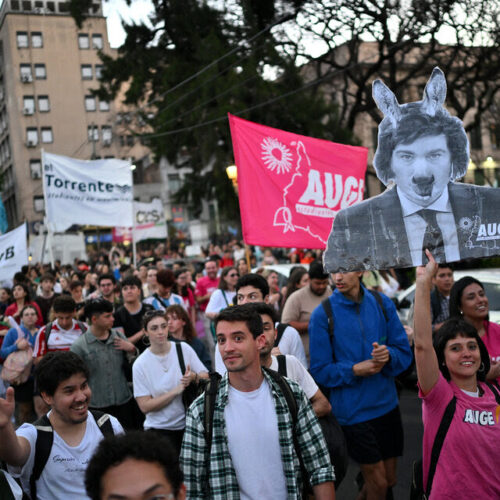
(490, 278)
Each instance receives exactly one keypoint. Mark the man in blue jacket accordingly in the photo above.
(369, 348)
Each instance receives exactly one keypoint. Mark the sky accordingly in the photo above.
(115, 10)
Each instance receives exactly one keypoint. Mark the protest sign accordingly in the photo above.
(13, 252)
(97, 192)
(291, 186)
(422, 151)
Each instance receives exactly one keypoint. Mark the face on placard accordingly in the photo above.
(135, 479)
(462, 357)
(422, 169)
(237, 346)
(71, 399)
(248, 294)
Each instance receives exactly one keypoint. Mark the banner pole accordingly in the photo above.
(47, 239)
(134, 250)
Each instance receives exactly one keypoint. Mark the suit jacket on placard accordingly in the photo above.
(372, 234)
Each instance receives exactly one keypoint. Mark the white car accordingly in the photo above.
(490, 278)
(283, 271)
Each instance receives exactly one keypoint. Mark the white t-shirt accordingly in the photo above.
(296, 372)
(154, 375)
(217, 301)
(64, 473)
(289, 344)
(253, 442)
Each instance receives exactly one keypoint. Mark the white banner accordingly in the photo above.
(97, 192)
(149, 220)
(13, 252)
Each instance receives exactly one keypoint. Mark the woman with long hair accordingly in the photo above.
(14, 342)
(275, 296)
(182, 287)
(159, 382)
(181, 328)
(299, 278)
(451, 377)
(22, 297)
(468, 301)
(224, 295)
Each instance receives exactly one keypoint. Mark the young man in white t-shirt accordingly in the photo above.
(62, 381)
(252, 454)
(294, 369)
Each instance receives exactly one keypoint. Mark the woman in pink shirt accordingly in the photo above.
(451, 375)
(468, 300)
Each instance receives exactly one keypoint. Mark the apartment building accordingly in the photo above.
(48, 67)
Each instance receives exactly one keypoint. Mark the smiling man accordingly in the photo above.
(252, 453)
(422, 150)
(62, 378)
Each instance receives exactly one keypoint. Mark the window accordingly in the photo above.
(36, 39)
(40, 71)
(97, 42)
(90, 103)
(98, 71)
(36, 169)
(86, 71)
(25, 70)
(106, 134)
(31, 137)
(43, 103)
(476, 140)
(83, 41)
(22, 39)
(130, 140)
(103, 106)
(495, 135)
(47, 135)
(38, 203)
(28, 105)
(93, 133)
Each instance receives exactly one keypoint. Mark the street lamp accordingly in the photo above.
(232, 173)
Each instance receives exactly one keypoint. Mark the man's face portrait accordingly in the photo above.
(422, 169)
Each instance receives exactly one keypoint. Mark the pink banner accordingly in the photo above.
(291, 186)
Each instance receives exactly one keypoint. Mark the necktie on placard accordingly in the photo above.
(433, 237)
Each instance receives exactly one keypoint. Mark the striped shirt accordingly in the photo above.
(59, 339)
(161, 303)
(219, 482)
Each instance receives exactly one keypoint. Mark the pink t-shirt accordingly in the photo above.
(468, 463)
(491, 340)
(203, 286)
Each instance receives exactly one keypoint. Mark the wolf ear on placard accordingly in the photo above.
(386, 101)
(434, 93)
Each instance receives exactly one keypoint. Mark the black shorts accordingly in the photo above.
(377, 439)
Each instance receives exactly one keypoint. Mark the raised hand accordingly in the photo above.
(7, 406)
(427, 272)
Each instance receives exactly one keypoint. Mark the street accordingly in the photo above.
(412, 421)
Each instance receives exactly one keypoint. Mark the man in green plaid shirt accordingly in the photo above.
(252, 455)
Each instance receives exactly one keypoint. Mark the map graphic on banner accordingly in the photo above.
(422, 152)
(97, 192)
(149, 223)
(13, 252)
(292, 186)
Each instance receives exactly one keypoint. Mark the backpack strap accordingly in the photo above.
(380, 302)
(48, 330)
(438, 442)
(103, 421)
(282, 365)
(44, 440)
(493, 386)
(209, 407)
(281, 330)
(180, 356)
(327, 306)
(82, 326)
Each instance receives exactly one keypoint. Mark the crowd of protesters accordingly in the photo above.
(129, 341)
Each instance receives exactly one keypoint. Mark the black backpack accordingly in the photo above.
(280, 329)
(332, 432)
(45, 438)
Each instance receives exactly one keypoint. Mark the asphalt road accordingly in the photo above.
(411, 413)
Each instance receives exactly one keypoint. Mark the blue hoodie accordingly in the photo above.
(356, 326)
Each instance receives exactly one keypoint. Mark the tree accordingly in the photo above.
(200, 61)
(399, 41)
